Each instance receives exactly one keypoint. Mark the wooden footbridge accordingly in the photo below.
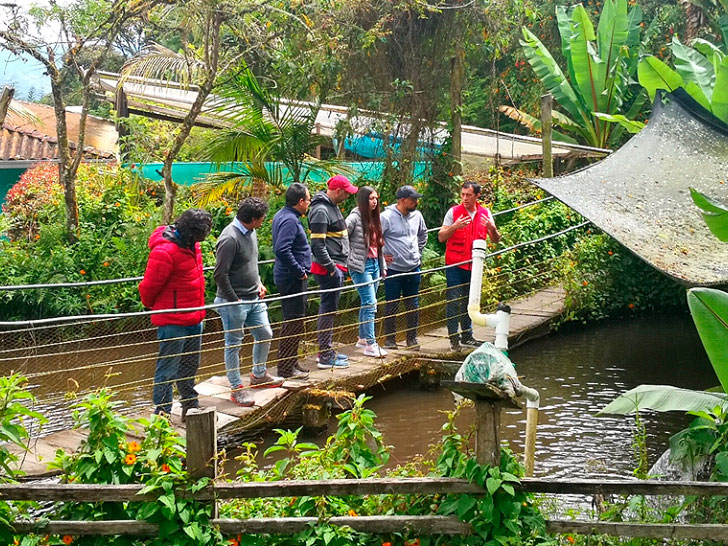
(531, 317)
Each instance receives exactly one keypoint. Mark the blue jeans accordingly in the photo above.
(407, 287)
(327, 311)
(254, 315)
(368, 296)
(179, 358)
(458, 288)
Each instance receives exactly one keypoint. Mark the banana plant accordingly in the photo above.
(600, 68)
(701, 70)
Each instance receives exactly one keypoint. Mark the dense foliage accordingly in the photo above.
(357, 450)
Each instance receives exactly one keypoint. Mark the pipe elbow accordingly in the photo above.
(532, 396)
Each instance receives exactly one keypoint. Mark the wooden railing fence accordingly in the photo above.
(201, 453)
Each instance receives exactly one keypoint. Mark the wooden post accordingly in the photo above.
(122, 120)
(202, 445)
(316, 416)
(317, 131)
(546, 134)
(487, 432)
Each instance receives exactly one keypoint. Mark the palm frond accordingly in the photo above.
(158, 62)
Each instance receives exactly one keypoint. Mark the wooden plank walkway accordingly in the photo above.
(531, 317)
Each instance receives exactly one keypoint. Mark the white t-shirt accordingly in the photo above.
(449, 220)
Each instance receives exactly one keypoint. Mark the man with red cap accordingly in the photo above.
(330, 248)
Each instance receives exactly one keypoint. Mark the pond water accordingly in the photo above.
(577, 371)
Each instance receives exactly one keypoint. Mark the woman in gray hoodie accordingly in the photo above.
(366, 263)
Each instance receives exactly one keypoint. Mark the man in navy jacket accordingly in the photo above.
(290, 274)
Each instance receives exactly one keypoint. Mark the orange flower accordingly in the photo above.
(353, 514)
(106, 264)
(386, 544)
(165, 467)
(117, 204)
(133, 447)
(233, 542)
(37, 236)
(82, 272)
(67, 539)
(585, 283)
(631, 306)
(610, 252)
(570, 539)
(130, 459)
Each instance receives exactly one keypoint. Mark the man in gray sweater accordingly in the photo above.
(237, 278)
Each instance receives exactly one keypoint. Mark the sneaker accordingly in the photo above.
(361, 344)
(241, 397)
(333, 363)
(455, 346)
(390, 344)
(375, 350)
(470, 342)
(339, 356)
(265, 381)
(295, 374)
(413, 345)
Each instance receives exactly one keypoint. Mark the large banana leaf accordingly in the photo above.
(709, 308)
(534, 124)
(719, 101)
(653, 74)
(693, 66)
(613, 33)
(550, 74)
(588, 70)
(633, 126)
(663, 398)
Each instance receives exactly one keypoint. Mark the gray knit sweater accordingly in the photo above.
(236, 266)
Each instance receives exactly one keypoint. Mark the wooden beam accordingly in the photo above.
(426, 525)
(5, 97)
(387, 486)
(647, 530)
(100, 528)
(547, 134)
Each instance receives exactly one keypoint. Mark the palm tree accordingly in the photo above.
(271, 140)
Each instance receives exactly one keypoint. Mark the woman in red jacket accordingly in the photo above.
(174, 280)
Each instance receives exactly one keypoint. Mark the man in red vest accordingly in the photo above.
(463, 224)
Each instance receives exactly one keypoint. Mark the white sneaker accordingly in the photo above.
(374, 350)
(361, 344)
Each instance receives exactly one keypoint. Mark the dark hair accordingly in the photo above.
(295, 193)
(370, 222)
(193, 226)
(251, 209)
(474, 185)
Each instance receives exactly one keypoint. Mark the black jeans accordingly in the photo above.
(327, 312)
(458, 288)
(407, 287)
(294, 311)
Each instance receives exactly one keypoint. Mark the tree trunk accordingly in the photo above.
(5, 98)
(457, 76)
(212, 52)
(694, 20)
(66, 172)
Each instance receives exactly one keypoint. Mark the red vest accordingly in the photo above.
(459, 246)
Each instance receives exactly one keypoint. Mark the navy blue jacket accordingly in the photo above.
(291, 248)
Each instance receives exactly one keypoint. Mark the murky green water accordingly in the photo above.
(577, 372)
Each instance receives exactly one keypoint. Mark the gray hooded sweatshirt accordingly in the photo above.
(404, 238)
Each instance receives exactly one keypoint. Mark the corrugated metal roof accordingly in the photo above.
(170, 101)
(639, 195)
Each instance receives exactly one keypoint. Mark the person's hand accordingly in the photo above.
(463, 221)
(388, 258)
(305, 276)
(262, 291)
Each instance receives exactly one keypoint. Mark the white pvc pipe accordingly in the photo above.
(500, 320)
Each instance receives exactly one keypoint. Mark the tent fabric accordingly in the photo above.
(640, 194)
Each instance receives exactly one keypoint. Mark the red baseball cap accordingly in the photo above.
(340, 182)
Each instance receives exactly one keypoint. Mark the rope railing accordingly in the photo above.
(48, 369)
(87, 284)
(348, 287)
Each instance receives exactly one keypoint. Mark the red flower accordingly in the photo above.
(165, 468)
(67, 539)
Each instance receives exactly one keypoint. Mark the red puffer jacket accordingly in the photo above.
(173, 279)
